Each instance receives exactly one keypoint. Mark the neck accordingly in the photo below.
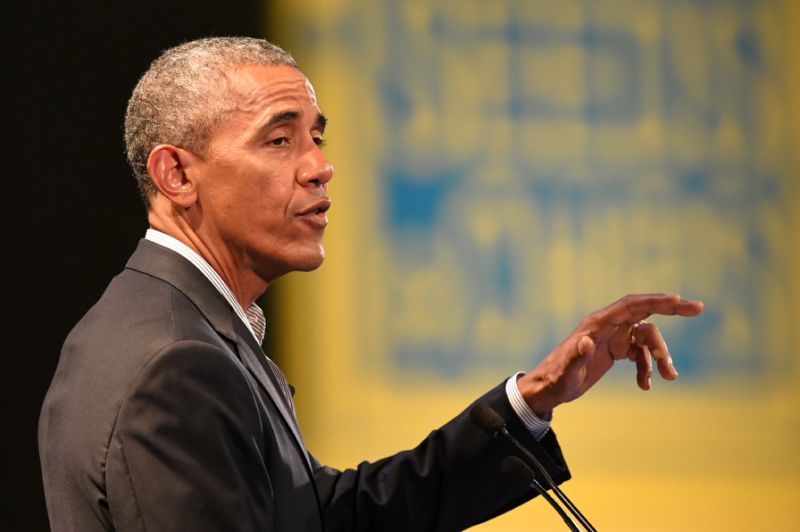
(245, 284)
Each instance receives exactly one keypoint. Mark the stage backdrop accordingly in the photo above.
(503, 168)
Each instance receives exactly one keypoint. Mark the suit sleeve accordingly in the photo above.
(185, 453)
(450, 481)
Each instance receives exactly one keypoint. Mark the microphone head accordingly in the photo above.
(516, 468)
(486, 418)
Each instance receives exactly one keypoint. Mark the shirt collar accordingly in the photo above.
(253, 317)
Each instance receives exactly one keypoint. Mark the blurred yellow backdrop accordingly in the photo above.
(503, 168)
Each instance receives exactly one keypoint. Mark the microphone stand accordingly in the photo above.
(514, 465)
(493, 423)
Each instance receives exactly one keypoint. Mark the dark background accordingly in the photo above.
(72, 213)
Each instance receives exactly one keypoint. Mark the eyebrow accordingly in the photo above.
(321, 122)
(288, 116)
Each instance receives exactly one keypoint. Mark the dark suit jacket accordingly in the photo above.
(163, 415)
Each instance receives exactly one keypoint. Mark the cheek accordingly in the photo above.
(271, 207)
(259, 199)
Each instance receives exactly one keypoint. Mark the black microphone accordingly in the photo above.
(492, 423)
(487, 418)
(517, 468)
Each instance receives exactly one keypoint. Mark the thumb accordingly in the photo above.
(586, 348)
(580, 357)
(575, 369)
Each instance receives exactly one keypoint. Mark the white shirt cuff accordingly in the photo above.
(537, 427)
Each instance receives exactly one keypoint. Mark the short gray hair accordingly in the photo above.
(185, 93)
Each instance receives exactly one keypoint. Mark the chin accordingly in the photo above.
(309, 267)
(270, 268)
(311, 261)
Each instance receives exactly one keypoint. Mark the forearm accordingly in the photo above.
(452, 480)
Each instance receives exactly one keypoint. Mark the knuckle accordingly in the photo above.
(647, 328)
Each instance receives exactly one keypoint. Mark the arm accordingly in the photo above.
(185, 452)
(450, 481)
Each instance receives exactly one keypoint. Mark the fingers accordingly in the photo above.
(644, 366)
(689, 308)
(614, 332)
(636, 307)
(648, 336)
(619, 344)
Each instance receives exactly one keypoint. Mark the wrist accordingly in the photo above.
(534, 391)
(537, 426)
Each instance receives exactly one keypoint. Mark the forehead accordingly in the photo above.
(262, 88)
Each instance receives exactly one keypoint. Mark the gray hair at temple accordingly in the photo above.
(185, 93)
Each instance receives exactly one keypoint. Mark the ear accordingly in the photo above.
(167, 168)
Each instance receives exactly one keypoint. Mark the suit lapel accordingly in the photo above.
(255, 361)
(158, 261)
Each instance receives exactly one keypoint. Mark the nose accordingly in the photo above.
(316, 169)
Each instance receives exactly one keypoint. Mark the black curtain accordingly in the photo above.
(72, 213)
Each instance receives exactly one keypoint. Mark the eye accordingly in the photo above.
(280, 141)
(319, 141)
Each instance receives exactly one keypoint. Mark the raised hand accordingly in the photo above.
(612, 333)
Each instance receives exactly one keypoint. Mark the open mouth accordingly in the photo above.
(320, 207)
(316, 214)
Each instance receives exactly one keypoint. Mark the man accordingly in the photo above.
(164, 413)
